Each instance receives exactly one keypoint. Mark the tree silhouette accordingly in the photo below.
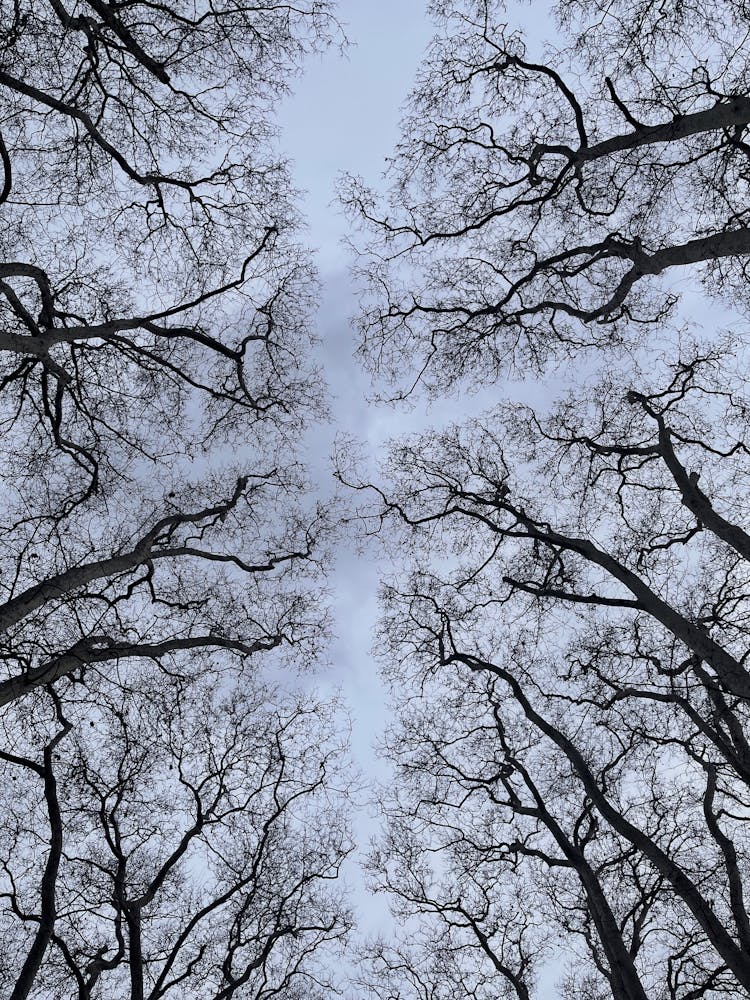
(535, 203)
(160, 549)
(189, 841)
(568, 645)
(155, 306)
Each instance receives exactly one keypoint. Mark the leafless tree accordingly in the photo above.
(169, 588)
(536, 200)
(569, 646)
(166, 830)
(163, 837)
(151, 268)
(155, 302)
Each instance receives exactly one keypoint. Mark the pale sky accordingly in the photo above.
(344, 117)
(346, 110)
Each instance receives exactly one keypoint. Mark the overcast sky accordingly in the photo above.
(345, 114)
(345, 117)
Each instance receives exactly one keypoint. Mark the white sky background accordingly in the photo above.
(345, 113)
(344, 117)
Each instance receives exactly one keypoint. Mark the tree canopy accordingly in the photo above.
(165, 831)
(567, 645)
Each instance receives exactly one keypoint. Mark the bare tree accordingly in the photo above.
(182, 582)
(154, 345)
(166, 830)
(569, 645)
(151, 267)
(537, 200)
(170, 840)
